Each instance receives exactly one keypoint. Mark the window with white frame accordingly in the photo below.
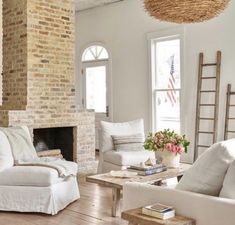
(95, 69)
(94, 53)
(166, 83)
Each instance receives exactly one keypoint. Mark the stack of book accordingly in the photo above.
(147, 170)
(159, 211)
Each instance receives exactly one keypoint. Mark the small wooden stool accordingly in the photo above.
(135, 217)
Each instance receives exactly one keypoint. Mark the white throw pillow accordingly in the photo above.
(133, 142)
(126, 128)
(6, 158)
(228, 189)
(207, 173)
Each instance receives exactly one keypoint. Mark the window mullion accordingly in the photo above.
(168, 89)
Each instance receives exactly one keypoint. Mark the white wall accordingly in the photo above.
(123, 28)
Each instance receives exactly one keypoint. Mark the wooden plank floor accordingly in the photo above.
(93, 208)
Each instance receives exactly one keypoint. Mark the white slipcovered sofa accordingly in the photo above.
(206, 192)
(110, 159)
(32, 188)
(205, 209)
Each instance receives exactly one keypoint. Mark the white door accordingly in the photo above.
(96, 91)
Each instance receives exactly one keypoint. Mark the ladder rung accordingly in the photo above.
(207, 91)
(232, 93)
(231, 118)
(209, 64)
(205, 132)
(203, 146)
(231, 105)
(230, 131)
(206, 118)
(208, 78)
(207, 104)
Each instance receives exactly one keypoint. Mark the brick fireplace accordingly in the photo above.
(39, 73)
(55, 138)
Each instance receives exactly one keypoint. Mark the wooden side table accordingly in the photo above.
(135, 217)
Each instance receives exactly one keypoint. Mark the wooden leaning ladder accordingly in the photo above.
(215, 105)
(228, 118)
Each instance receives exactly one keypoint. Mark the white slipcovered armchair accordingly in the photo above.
(110, 159)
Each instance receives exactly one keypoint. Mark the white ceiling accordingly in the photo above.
(87, 4)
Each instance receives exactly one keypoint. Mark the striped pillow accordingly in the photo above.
(132, 142)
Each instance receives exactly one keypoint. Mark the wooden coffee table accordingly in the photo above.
(117, 183)
(135, 217)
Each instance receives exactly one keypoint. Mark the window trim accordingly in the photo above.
(79, 77)
(168, 34)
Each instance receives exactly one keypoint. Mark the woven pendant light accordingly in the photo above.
(185, 11)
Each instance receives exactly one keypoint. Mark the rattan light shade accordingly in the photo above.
(185, 11)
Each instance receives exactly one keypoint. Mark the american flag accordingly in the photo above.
(171, 94)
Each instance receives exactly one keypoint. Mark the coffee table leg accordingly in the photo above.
(116, 195)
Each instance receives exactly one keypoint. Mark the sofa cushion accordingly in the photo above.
(6, 158)
(29, 176)
(126, 128)
(124, 158)
(228, 189)
(207, 173)
(133, 142)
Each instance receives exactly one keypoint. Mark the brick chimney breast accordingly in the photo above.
(39, 72)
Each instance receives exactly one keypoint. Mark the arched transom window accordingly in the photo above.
(95, 53)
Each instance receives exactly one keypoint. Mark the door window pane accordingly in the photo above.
(103, 54)
(167, 110)
(96, 88)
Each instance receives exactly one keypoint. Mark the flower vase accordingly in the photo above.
(168, 158)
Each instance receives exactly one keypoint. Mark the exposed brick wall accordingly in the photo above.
(14, 54)
(39, 54)
(51, 54)
(84, 131)
(39, 73)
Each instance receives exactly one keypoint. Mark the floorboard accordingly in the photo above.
(93, 208)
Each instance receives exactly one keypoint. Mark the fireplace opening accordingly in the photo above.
(55, 138)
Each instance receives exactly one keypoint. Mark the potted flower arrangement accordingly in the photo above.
(168, 146)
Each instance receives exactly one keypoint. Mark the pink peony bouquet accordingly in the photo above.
(167, 140)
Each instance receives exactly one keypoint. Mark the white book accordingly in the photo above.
(159, 211)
